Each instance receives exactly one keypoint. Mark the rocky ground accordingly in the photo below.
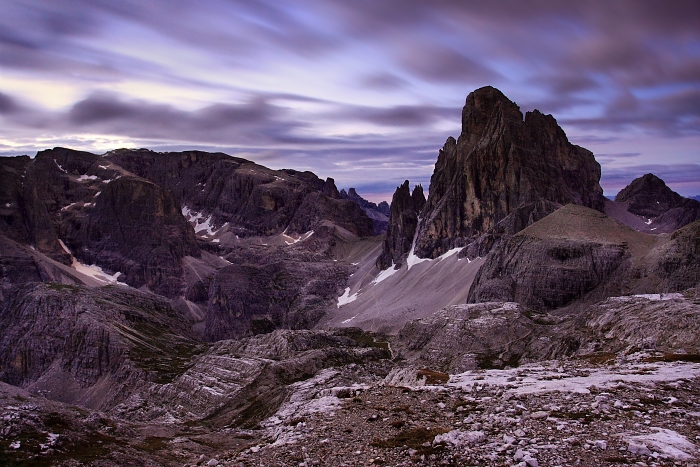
(586, 413)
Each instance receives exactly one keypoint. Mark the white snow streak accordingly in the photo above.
(386, 274)
(96, 272)
(65, 248)
(295, 240)
(347, 298)
(86, 177)
(59, 166)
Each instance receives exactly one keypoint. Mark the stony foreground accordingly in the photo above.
(598, 411)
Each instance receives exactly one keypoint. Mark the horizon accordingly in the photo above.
(364, 93)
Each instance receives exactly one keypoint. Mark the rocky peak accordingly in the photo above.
(502, 174)
(403, 221)
(649, 196)
(648, 205)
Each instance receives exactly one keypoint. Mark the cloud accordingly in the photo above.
(7, 104)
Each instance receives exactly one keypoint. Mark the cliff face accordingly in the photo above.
(502, 174)
(554, 261)
(137, 228)
(253, 199)
(378, 213)
(403, 221)
(90, 347)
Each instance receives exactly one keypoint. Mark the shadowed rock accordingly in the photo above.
(403, 221)
(502, 174)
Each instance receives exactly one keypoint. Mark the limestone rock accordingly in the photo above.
(556, 260)
(378, 213)
(136, 228)
(403, 221)
(253, 199)
(502, 166)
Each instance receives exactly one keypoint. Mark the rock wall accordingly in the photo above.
(403, 221)
(555, 261)
(502, 174)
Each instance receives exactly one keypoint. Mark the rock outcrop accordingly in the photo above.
(403, 221)
(249, 299)
(90, 347)
(659, 209)
(501, 175)
(466, 337)
(556, 260)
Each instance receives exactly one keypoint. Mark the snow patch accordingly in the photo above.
(648, 222)
(385, 274)
(295, 240)
(195, 218)
(347, 298)
(7, 205)
(86, 177)
(666, 442)
(348, 320)
(17, 444)
(59, 167)
(96, 272)
(451, 252)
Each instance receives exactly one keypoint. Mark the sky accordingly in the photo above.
(364, 91)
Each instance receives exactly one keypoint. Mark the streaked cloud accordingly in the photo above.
(335, 86)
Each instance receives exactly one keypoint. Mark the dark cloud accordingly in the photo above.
(399, 116)
(673, 114)
(444, 64)
(7, 104)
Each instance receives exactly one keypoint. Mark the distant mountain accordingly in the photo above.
(378, 213)
(648, 205)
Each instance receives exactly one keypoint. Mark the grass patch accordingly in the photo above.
(433, 377)
(413, 438)
(57, 286)
(675, 357)
(152, 444)
(598, 358)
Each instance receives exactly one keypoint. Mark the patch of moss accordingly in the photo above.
(413, 438)
(57, 286)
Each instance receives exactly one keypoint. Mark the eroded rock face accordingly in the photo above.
(378, 213)
(675, 265)
(137, 228)
(248, 299)
(466, 337)
(664, 209)
(403, 221)
(253, 199)
(90, 347)
(554, 261)
(502, 174)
